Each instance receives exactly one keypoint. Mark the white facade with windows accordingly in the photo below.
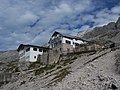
(72, 42)
(58, 38)
(30, 53)
(59, 42)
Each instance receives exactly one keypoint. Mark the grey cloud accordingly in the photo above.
(16, 16)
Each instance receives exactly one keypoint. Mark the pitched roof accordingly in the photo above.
(27, 45)
(68, 36)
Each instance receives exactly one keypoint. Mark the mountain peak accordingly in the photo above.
(107, 32)
(118, 23)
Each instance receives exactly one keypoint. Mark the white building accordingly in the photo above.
(65, 42)
(30, 53)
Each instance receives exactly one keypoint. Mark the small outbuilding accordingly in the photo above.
(30, 53)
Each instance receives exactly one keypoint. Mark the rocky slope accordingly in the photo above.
(8, 61)
(8, 56)
(87, 71)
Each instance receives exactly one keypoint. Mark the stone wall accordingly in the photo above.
(23, 65)
(5, 77)
(54, 55)
(44, 58)
(88, 47)
(67, 48)
(63, 48)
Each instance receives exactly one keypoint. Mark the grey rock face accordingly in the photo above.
(109, 29)
(8, 56)
(118, 23)
(111, 26)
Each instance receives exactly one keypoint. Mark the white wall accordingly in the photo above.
(22, 54)
(72, 41)
(77, 41)
(33, 54)
(29, 56)
(64, 40)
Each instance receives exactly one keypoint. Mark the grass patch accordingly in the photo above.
(82, 52)
(59, 76)
(68, 61)
(39, 71)
(59, 67)
(34, 65)
(49, 72)
(53, 70)
(115, 48)
(44, 69)
(117, 59)
(62, 73)
(1, 63)
(2, 83)
(12, 67)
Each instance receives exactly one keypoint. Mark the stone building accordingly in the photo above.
(30, 53)
(61, 42)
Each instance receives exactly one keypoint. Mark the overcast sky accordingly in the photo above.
(33, 21)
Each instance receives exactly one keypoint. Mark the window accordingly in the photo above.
(28, 49)
(60, 42)
(55, 44)
(68, 42)
(56, 51)
(44, 50)
(76, 44)
(60, 49)
(52, 45)
(35, 49)
(40, 50)
(34, 56)
(22, 48)
(58, 35)
(68, 49)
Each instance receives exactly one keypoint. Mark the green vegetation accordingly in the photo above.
(59, 67)
(59, 76)
(2, 83)
(44, 69)
(39, 71)
(115, 48)
(117, 59)
(34, 65)
(47, 72)
(1, 63)
(62, 73)
(68, 61)
(12, 67)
